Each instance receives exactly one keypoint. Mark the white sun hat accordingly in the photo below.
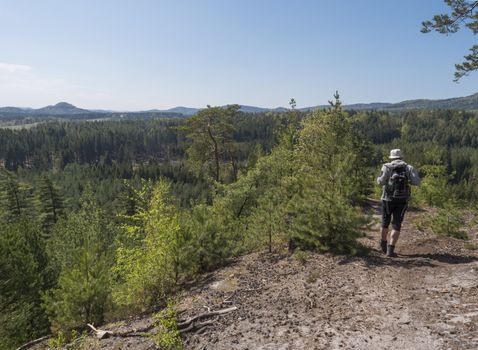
(395, 154)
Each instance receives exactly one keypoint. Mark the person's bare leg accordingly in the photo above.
(383, 241)
(384, 233)
(394, 237)
(393, 240)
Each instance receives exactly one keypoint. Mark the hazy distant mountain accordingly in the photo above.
(13, 110)
(253, 109)
(61, 108)
(66, 109)
(181, 110)
(368, 106)
(244, 108)
(466, 103)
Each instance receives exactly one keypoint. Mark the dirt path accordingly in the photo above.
(427, 298)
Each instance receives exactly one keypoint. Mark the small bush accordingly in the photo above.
(59, 341)
(301, 256)
(423, 222)
(71, 340)
(312, 277)
(167, 335)
(449, 222)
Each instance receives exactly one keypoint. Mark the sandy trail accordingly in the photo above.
(427, 298)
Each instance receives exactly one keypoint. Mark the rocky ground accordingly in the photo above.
(427, 298)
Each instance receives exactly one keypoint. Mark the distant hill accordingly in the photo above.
(466, 103)
(181, 110)
(253, 109)
(13, 110)
(244, 108)
(61, 108)
(66, 109)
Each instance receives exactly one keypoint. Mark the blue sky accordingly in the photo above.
(142, 54)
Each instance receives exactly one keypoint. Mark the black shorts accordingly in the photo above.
(393, 211)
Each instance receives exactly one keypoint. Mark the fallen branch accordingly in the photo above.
(228, 299)
(34, 342)
(189, 325)
(196, 326)
(100, 334)
(186, 323)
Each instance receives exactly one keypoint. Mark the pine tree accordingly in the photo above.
(271, 191)
(21, 283)
(328, 179)
(14, 197)
(79, 249)
(463, 13)
(50, 203)
(212, 150)
(215, 232)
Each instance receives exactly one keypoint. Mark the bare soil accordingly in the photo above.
(426, 298)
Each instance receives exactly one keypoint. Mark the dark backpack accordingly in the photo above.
(397, 186)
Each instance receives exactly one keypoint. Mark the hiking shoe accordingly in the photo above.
(383, 246)
(390, 251)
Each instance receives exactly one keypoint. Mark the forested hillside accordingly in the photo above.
(105, 219)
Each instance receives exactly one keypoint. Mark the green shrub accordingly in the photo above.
(148, 255)
(434, 189)
(447, 221)
(58, 341)
(167, 335)
(301, 256)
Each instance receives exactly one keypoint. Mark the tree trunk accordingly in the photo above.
(216, 151)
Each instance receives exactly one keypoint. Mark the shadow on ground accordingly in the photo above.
(374, 261)
(443, 258)
(409, 260)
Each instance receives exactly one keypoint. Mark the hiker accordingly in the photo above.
(395, 179)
